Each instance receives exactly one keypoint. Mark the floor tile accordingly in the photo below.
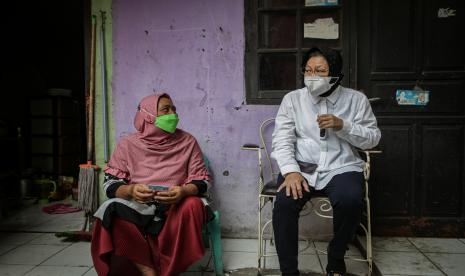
(241, 260)
(251, 245)
(451, 264)
(195, 274)
(397, 244)
(17, 238)
(270, 246)
(235, 260)
(307, 247)
(56, 225)
(49, 238)
(308, 263)
(202, 264)
(266, 272)
(20, 252)
(14, 270)
(77, 254)
(30, 217)
(22, 221)
(240, 245)
(57, 271)
(438, 245)
(91, 272)
(23, 225)
(253, 272)
(71, 216)
(353, 267)
(4, 248)
(322, 246)
(404, 263)
(30, 254)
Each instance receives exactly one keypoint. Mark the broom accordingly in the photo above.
(88, 180)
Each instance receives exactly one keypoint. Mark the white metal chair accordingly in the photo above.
(266, 194)
(321, 206)
(325, 208)
(367, 227)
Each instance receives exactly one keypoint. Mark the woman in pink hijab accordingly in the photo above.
(144, 231)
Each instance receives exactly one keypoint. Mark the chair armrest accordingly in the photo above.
(367, 169)
(372, 151)
(250, 147)
(369, 151)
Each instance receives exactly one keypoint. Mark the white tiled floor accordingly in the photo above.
(30, 254)
(13, 270)
(44, 270)
(241, 253)
(451, 264)
(419, 256)
(41, 253)
(433, 245)
(17, 238)
(404, 263)
(393, 244)
(76, 254)
(44, 254)
(48, 238)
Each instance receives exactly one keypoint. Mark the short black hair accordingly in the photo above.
(332, 56)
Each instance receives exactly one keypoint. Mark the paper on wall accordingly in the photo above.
(322, 28)
(309, 3)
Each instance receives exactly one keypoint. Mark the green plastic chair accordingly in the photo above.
(212, 239)
(211, 235)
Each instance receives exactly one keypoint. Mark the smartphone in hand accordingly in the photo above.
(158, 188)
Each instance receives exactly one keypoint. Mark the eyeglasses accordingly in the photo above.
(316, 71)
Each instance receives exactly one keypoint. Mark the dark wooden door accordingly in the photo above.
(418, 184)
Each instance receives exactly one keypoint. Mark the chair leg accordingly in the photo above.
(369, 241)
(215, 241)
(260, 237)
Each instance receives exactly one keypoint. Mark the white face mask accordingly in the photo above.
(317, 85)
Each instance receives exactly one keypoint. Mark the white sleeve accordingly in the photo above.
(284, 138)
(361, 132)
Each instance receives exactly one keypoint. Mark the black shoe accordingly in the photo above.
(335, 273)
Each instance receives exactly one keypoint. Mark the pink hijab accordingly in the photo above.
(153, 156)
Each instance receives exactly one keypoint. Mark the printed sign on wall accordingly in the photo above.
(412, 97)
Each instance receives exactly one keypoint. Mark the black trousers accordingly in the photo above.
(345, 194)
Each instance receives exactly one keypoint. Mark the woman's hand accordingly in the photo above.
(172, 196)
(141, 193)
(294, 182)
(330, 121)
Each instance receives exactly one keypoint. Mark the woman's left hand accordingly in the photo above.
(172, 196)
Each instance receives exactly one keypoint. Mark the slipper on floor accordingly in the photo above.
(60, 208)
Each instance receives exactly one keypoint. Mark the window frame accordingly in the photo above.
(253, 52)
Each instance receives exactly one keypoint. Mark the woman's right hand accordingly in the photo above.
(141, 193)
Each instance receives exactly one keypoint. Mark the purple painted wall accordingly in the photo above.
(194, 50)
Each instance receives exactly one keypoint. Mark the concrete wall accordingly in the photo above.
(194, 50)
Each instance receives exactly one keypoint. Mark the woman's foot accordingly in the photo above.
(145, 270)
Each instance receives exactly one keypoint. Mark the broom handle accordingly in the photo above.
(90, 131)
(104, 88)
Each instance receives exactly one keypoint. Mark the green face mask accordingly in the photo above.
(167, 122)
